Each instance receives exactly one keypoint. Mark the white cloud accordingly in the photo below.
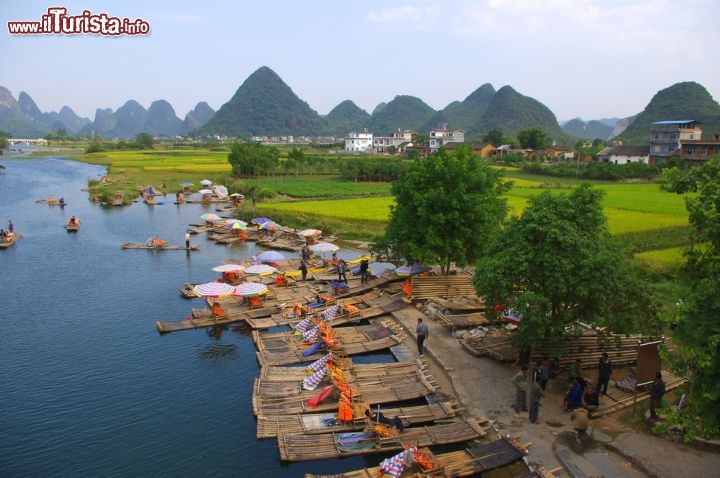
(416, 16)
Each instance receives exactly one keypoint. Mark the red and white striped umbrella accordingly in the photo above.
(213, 289)
(250, 289)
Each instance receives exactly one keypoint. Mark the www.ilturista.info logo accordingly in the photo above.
(58, 22)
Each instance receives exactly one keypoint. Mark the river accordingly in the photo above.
(87, 386)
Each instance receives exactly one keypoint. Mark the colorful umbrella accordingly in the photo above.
(250, 289)
(237, 225)
(228, 268)
(260, 220)
(309, 232)
(210, 217)
(213, 289)
(324, 247)
(268, 226)
(186, 183)
(261, 269)
(206, 182)
(270, 256)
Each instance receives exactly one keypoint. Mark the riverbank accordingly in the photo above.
(482, 386)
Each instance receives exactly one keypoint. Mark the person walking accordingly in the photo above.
(303, 269)
(187, 240)
(422, 332)
(657, 391)
(605, 368)
(536, 392)
(364, 266)
(520, 381)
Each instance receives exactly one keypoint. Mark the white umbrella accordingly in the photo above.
(213, 289)
(206, 182)
(250, 289)
(261, 269)
(228, 268)
(205, 191)
(309, 232)
(270, 256)
(324, 247)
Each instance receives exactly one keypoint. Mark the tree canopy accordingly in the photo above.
(533, 138)
(446, 206)
(697, 334)
(556, 264)
(252, 159)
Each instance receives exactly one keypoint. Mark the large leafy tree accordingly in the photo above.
(446, 206)
(252, 159)
(697, 335)
(534, 138)
(557, 264)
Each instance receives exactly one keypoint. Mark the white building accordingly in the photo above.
(441, 136)
(359, 142)
(624, 155)
(382, 144)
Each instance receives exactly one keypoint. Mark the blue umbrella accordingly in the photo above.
(260, 220)
(411, 270)
(186, 183)
(270, 256)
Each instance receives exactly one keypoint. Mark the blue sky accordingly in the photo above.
(588, 58)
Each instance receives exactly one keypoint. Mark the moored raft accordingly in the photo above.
(10, 240)
(468, 462)
(273, 373)
(299, 447)
(269, 426)
(278, 398)
(286, 348)
(208, 320)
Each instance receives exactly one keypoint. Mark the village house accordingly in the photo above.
(440, 137)
(359, 142)
(665, 137)
(395, 143)
(697, 151)
(624, 154)
(483, 150)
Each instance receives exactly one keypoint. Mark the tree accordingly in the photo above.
(252, 159)
(3, 144)
(557, 264)
(144, 141)
(446, 206)
(494, 137)
(533, 138)
(697, 332)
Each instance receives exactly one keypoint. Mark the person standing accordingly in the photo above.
(187, 240)
(657, 391)
(11, 226)
(520, 381)
(364, 266)
(605, 368)
(538, 374)
(342, 271)
(303, 269)
(579, 419)
(422, 332)
(536, 392)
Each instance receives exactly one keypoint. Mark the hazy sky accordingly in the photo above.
(588, 58)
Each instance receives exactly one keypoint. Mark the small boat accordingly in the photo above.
(52, 202)
(9, 241)
(73, 225)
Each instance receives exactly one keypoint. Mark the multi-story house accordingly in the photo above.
(698, 151)
(393, 143)
(359, 142)
(442, 136)
(665, 137)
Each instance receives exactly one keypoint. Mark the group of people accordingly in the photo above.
(9, 234)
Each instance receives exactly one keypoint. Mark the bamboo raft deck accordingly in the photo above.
(386, 278)
(10, 241)
(443, 286)
(619, 399)
(342, 318)
(298, 447)
(497, 347)
(283, 398)
(468, 462)
(131, 245)
(317, 423)
(209, 320)
(286, 317)
(277, 373)
(287, 348)
(462, 321)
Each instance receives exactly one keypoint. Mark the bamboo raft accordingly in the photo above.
(210, 320)
(286, 348)
(498, 347)
(618, 399)
(298, 447)
(386, 278)
(10, 241)
(287, 398)
(275, 373)
(51, 203)
(343, 317)
(468, 462)
(454, 321)
(131, 245)
(443, 286)
(317, 423)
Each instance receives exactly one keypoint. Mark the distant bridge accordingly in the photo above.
(14, 141)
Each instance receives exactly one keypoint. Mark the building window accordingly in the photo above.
(691, 150)
(703, 150)
(670, 148)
